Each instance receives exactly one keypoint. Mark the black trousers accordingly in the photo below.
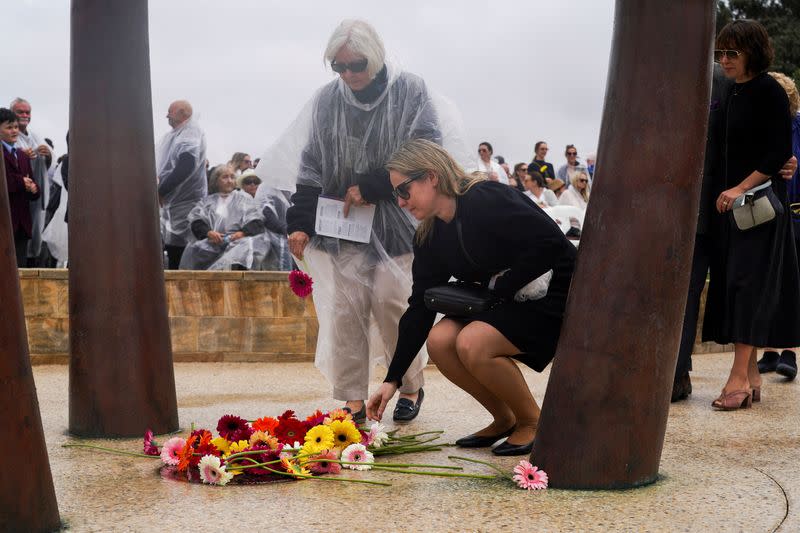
(700, 263)
(174, 254)
(21, 249)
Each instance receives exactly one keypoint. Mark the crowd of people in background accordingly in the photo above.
(187, 182)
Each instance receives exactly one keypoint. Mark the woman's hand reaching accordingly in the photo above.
(376, 404)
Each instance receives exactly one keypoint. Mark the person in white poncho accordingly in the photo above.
(181, 170)
(228, 227)
(337, 148)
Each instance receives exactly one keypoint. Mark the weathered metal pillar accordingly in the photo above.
(121, 378)
(605, 410)
(27, 497)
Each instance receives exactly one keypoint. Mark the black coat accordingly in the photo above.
(754, 293)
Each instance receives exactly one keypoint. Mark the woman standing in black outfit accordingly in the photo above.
(476, 353)
(754, 295)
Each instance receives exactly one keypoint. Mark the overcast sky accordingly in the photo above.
(519, 71)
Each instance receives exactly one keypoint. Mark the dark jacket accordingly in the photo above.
(18, 198)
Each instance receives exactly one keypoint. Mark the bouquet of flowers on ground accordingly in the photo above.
(288, 448)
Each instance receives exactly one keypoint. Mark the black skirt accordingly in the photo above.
(534, 332)
(754, 292)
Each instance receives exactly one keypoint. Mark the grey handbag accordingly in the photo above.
(756, 206)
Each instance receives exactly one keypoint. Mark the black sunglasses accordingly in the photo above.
(730, 54)
(355, 67)
(401, 191)
(572, 153)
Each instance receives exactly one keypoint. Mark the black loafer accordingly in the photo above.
(768, 362)
(477, 441)
(513, 449)
(787, 365)
(405, 410)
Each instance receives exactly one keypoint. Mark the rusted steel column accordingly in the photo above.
(27, 497)
(121, 379)
(605, 410)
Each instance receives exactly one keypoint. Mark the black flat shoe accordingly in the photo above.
(768, 362)
(513, 449)
(478, 441)
(360, 416)
(405, 410)
(787, 365)
(681, 388)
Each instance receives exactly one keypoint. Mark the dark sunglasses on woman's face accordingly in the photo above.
(401, 191)
(730, 54)
(572, 153)
(355, 67)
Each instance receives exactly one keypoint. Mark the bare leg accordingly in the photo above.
(739, 376)
(442, 350)
(752, 370)
(486, 353)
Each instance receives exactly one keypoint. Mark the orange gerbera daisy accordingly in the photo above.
(186, 454)
(337, 414)
(265, 424)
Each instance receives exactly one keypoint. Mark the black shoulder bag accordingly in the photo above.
(461, 298)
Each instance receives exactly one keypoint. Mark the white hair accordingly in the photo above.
(360, 38)
(16, 101)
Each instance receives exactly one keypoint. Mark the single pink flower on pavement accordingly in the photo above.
(529, 477)
(301, 283)
(150, 446)
(170, 453)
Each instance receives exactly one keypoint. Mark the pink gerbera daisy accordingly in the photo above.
(150, 446)
(529, 477)
(170, 453)
(301, 283)
(321, 463)
(359, 455)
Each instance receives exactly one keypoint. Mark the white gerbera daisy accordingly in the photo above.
(212, 471)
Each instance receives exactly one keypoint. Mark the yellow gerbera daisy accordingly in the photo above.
(221, 444)
(236, 447)
(318, 438)
(345, 433)
(294, 468)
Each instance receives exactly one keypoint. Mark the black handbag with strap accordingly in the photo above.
(461, 298)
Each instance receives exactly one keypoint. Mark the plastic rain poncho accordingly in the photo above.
(360, 290)
(188, 137)
(275, 201)
(56, 234)
(225, 214)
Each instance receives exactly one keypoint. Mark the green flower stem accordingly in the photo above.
(415, 435)
(437, 474)
(397, 450)
(109, 450)
(393, 465)
(320, 478)
(478, 461)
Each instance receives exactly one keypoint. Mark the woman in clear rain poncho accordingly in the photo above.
(228, 227)
(337, 148)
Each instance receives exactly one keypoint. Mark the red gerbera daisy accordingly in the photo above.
(316, 418)
(234, 428)
(205, 447)
(268, 456)
(301, 283)
(290, 430)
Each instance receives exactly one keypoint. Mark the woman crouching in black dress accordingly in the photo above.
(476, 353)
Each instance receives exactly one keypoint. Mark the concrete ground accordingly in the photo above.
(736, 471)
